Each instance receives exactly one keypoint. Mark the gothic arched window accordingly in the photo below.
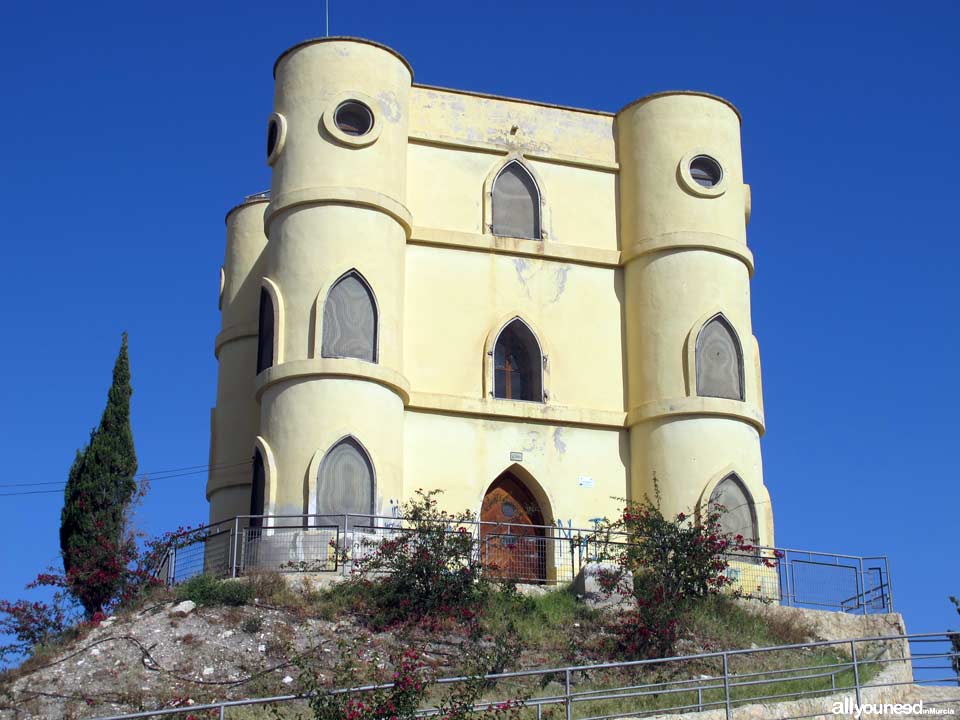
(517, 364)
(257, 490)
(350, 320)
(516, 203)
(719, 360)
(345, 481)
(265, 332)
(738, 515)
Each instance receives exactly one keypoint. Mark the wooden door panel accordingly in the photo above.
(512, 545)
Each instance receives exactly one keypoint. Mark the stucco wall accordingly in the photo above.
(633, 258)
(463, 455)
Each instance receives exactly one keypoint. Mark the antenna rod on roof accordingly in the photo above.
(327, 6)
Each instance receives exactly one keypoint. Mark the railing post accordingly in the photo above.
(699, 699)
(172, 566)
(785, 569)
(234, 538)
(863, 587)
(856, 671)
(346, 521)
(889, 583)
(223, 712)
(566, 697)
(726, 687)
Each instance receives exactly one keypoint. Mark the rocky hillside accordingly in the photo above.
(173, 652)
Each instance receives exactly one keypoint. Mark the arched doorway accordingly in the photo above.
(512, 538)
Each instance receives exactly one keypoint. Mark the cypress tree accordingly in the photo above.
(100, 487)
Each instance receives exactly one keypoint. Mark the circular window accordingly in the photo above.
(273, 134)
(706, 171)
(276, 134)
(353, 118)
(508, 509)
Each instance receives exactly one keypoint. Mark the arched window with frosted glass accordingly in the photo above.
(719, 360)
(516, 203)
(345, 481)
(738, 516)
(265, 332)
(350, 320)
(517, 364)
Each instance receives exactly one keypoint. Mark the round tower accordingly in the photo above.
(331, 385)
(695, 412)
(233, 422)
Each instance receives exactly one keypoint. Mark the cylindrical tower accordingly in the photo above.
(334, 274)
(233, 422)
(694, 398)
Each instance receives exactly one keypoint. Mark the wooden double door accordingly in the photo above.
(513, 541)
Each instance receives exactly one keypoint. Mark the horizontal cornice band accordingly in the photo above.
(356, 196)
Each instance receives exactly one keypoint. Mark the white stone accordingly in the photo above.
(287, 680)
(262, 647)
(184, 608)
(588, 587)
(208, 671)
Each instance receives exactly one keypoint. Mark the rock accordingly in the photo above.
(208, 671)
(287, 680)
(183, 609)
(588, 585)
(532, 590)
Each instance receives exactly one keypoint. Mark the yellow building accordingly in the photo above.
(538, 309)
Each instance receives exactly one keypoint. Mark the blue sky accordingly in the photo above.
(129, 129)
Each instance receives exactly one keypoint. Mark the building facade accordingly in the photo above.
(538, 309)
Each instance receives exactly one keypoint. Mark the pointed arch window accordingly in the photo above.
(345, 481)
(738, 515)
(265, 333)
(257, 490)
(516, 203)
(350, 320)
(517, 364)
(719, 360)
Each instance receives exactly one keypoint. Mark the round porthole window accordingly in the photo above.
(353, 118)
(508, 509)
(706, 171)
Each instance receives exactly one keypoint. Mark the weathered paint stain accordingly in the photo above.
(560, 281)
(389, 106)
(523, 273)
(558, 442)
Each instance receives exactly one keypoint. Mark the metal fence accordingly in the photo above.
(522, 553)
(815, 677)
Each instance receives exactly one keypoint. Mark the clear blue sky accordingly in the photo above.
(129, 129)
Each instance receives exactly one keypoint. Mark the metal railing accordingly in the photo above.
(815, 676)
(523, 553)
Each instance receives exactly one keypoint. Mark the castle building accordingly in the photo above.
(538, 309)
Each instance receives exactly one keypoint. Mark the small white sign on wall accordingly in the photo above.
(585, 481)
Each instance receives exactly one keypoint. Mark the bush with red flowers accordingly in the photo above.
(674, 562)
(425, 569)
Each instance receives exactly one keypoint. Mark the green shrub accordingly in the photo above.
(208, 590)
(426, 570)
(676, 563)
